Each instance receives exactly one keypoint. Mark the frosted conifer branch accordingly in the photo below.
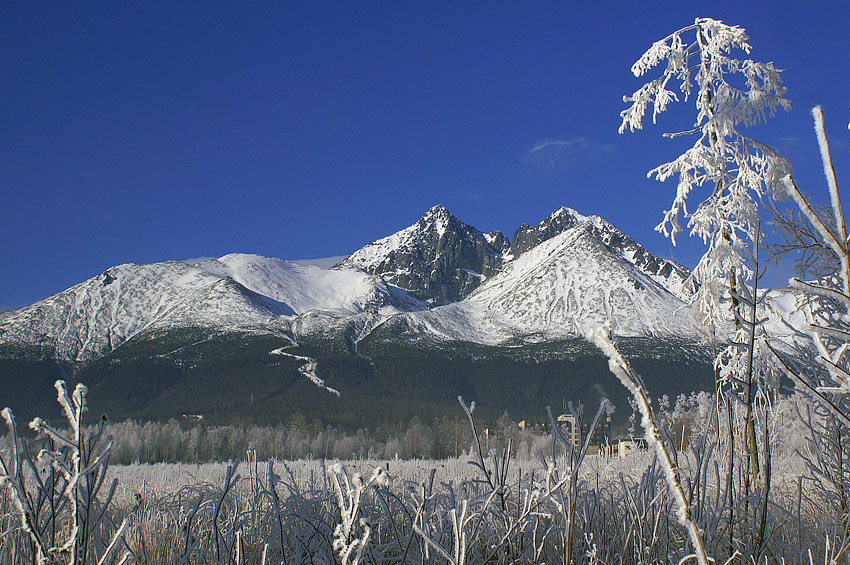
(9, 417)
(11, 476)
(736, 169)
(82, 480)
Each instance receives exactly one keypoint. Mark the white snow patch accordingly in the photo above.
(322, 262)
(308, 369)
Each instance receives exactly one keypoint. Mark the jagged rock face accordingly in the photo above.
(527, 237)
(676, 278)
(439, 258)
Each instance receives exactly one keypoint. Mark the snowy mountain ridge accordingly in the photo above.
(438, 277)
(669, 274)
(236, 292)
(561, 288)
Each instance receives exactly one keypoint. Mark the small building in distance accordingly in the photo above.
(626, 446)
(601, 434)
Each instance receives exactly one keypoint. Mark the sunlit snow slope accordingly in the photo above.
(301, 288)
(233, 293)
(564, 287)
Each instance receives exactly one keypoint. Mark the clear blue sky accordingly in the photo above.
(141, 131)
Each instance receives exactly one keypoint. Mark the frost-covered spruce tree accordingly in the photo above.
(729, 174)
(730, 170)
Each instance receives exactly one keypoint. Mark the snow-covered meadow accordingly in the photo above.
(562, 506)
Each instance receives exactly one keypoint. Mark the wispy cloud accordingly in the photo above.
(544, 145)
(474, 196)
(787, 144)
(562, 153)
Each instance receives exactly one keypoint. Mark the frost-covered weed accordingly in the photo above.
(442, 511)
(56, 495)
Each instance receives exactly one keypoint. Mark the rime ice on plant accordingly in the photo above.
(828, 298)
(736, 169)
(77, 472)
(602, 338)
(348, 494)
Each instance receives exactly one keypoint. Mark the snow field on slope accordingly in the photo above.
(300, 287)
(235, 293)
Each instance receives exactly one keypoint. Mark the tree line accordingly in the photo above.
(192, 441)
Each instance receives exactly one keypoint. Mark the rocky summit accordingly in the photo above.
(439, 259)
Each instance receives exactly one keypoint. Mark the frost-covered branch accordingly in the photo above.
(738, 171)
(65, 478)
(828, 298)
(601, 337)
(348, 495)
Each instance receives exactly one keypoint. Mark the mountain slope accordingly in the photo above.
(562, 288)
(300, 288)
(98, 315)
(669, 274)
(236, 293)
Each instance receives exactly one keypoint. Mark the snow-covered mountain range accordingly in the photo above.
(438, 278)
(564, 287)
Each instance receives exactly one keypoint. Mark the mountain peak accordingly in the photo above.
(669, 274)
(439, 259)
(438, 211)
(438, 218)
(564, 286)
(561, 212)
(527, 237)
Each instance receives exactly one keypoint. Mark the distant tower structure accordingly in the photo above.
(571, 434)
(601, 435)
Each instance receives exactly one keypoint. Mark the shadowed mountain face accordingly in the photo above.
(439, 259)
(395, 318)
(527, 237)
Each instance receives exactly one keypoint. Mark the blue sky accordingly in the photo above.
(141, 132)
